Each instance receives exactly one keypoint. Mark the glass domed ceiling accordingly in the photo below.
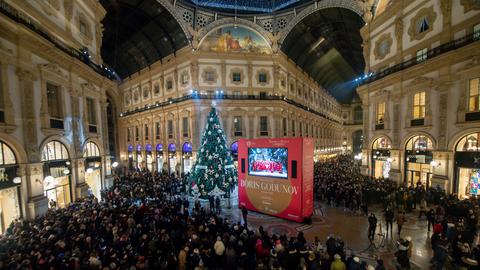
(247, 5)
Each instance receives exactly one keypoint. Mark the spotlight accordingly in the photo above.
(114, 164)
(89, 170)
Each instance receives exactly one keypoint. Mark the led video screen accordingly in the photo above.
(268, 162)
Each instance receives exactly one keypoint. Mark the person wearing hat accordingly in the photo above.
(337, 263)
(354, 264)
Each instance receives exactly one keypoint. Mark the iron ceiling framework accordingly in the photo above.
(137, 34)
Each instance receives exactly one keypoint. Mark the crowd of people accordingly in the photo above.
(145, 221)
(142, 223)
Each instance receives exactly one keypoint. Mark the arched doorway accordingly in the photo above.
(467, 166)
(159, 157)
(172, 158)
(138, 157)
(93, 169)
(9, 187)
(131, 164)
(418, 156)
(381, 161)
(148, 153)
(187, 157)
(357, 142)
(57, 171)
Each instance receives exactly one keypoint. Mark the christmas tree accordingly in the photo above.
(214, 172)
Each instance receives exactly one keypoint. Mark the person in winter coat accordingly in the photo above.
(401, 219)
(219, 248)
(337, 263)
(402, 254)
(354, 264)
(182, 259)
(380, 265)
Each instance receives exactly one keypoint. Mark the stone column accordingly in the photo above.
(37, 203)
(78, 173)
(26, 79)
(395, 171)
(441, 172)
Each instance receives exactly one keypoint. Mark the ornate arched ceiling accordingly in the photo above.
(327, 45)
(138, 33)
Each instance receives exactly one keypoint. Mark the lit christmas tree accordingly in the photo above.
(214, 172)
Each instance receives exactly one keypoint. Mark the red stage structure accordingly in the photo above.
(275, 176)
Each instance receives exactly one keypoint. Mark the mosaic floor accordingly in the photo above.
(352, 228)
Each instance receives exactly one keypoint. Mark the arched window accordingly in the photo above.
(419, 143)
(54, 150)
(7, 156)
(382, 143)
(469, 143)
(91, 150)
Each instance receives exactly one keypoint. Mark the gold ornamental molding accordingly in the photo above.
(384, 40)
(431, 16)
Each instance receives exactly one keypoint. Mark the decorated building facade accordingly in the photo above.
(421, 119)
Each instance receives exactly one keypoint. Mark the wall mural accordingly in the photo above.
(235, 39)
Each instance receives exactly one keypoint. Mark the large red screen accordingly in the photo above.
(276, 176)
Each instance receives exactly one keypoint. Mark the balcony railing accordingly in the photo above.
(197, 96)
(434, 52)
(22, 18)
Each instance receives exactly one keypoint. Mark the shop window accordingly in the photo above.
(146, 132)
(236, 77)
(169, 84)
(54, 150)
(54, 101)
(170, 129)
(419, 105)
(157, 130)
(358, 115)
(423, 25)
(210, 76)
(91, 116)
(145, 93)
(185, 126)
(129, 134)
(474, 95)
(284, 125)
(7, 156)
(237, 126)
(382, 143)
(184, 78)
(476, 32)
(91, 150)
(156, 89)
(263, 95)
(262, 77)
(137, 134)
(83, 27)
(380, 116)
(236, 93)
(469, 143)
(263, 126)
(422, 55)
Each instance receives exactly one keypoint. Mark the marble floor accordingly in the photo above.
(352, 228)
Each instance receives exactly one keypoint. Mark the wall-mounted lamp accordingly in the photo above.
(115, 164)
(89, 170)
